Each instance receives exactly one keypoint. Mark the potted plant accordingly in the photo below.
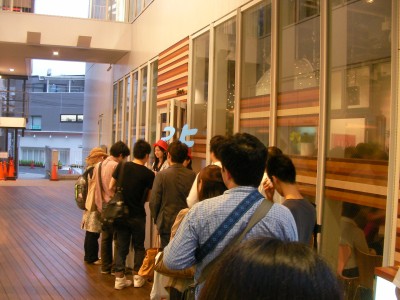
(307, 144)
(303, 143)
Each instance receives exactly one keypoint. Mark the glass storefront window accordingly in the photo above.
(127, 108)
(114, 124)
(120, 109)
(199, 94)
(255, 71)
(298, 89)
(134, 108)
(224, 78)
(358, 124)
(142, 107)
(153, 101)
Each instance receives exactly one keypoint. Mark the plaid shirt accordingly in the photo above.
(205, 217)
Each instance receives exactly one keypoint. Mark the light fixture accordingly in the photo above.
(12, 70)
(34, 135)
(0, 76)
(66, 136)
(50, 136)
(55, 53)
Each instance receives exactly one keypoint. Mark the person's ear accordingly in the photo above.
(275, 180)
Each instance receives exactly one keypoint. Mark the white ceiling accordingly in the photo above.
(18, 56)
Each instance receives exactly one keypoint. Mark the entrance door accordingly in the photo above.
(173, 115)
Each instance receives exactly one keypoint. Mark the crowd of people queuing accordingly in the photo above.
(198, 216)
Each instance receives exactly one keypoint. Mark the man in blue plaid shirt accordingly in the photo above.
(243, 159)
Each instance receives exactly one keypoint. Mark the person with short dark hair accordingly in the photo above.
(282, 174)
(272, 151)
(243, 159)
(270, 269)
(137, 181)
(119, 151)
(170, 189)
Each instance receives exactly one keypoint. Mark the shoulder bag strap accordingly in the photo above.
(100, 181)
(261, 211)
(223, 229)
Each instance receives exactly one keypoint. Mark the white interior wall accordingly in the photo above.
(98, 100)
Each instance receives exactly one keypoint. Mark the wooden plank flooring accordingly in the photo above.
(41, 246)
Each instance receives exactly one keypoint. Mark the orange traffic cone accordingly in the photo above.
(4, 168)
(11, 171)
(54, 173)
(2, 177)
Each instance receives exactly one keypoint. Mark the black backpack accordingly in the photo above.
(81, 188)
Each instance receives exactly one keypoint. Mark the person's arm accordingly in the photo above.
(269, 189)
(112, 184)
(193, 196)
(156, 197)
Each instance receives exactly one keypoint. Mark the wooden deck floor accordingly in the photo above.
(41, 246)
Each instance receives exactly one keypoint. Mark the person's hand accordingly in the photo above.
(269, 189)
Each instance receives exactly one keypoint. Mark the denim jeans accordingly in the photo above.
(133, 229)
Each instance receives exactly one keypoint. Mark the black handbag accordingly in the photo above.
(116, 207)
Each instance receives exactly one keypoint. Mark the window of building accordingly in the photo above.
(153, 100)
(120, 106)
(36, 122)
(71, 118)
(58, 86)
(224, 78)
(199, 95)
(142, 106)
(68, 118)
(127, 108)
(134, 108)
(358, 121)
(256, 71)
(114, 120)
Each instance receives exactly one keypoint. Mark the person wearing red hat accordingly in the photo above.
(160, 156)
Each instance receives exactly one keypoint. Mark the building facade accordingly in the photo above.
(55, 120)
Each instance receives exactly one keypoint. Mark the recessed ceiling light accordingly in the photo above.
(55, 52)
(12, 70)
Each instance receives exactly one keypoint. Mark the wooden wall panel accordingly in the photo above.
(173, 64)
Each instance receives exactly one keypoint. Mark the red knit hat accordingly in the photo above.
(162, 144)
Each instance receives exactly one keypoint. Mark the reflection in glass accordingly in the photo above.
(120, 109)
(224, 78)
(134, 108)
(298, 79)
(255, 71)
(142, 107)
(114, 124)
(127, 108)
(199, 93)
(153, 100)
(358, 125)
